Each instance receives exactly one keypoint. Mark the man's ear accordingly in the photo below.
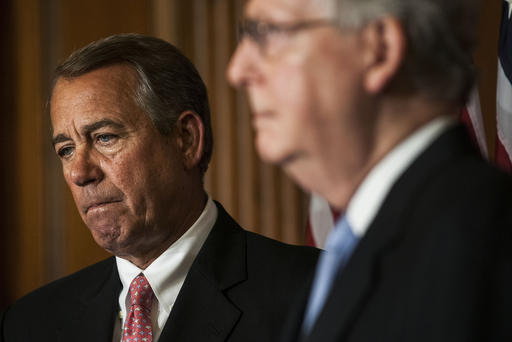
(190, 138)
(385, 42)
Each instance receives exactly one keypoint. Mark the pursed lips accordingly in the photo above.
(100, 203)
(263, 114)
(258, 117)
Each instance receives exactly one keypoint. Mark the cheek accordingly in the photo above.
(288, 80)
(290, 97)
(299, 102)
(146, 178)
(284, 132)
(127, 176)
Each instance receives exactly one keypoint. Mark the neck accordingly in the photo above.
(394, 122)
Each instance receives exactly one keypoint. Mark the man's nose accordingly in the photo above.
(242, 67)
(85, 169)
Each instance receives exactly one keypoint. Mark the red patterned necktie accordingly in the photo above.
(137, 327)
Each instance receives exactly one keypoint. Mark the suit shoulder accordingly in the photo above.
(266, 248)
(269, 244)
(276, 254)
(62, 290)
(474, 183)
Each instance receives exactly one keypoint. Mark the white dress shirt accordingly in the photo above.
(166, 274)
(370, 195)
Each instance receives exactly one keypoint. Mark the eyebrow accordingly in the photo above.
(59, 138)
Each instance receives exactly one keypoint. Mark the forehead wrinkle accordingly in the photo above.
(114, 101)
(284, 10)
(63, 137)
(102, 123)
(122, 82)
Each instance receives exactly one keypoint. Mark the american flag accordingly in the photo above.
(503, 154)
(471, 116)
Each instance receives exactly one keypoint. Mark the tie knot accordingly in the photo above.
(141, 292)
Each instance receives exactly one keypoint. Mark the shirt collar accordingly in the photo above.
(167, 273)
(370, 195)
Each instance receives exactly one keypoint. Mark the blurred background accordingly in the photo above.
(41, 234)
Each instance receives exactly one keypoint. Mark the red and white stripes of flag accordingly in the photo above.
(503, 154)
(471, 116)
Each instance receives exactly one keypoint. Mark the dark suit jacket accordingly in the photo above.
(239, 288)
(435, 264)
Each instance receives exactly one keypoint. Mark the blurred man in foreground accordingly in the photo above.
(356, 100)
(131, 126)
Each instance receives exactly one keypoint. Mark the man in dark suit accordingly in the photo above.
(131, 126)
(357, 101)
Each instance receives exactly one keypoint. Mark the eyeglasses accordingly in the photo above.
(261, 32)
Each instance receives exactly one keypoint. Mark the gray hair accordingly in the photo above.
(441, 38)
(167, 82)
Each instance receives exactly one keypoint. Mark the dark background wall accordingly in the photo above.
(41, 235)
(6, 136)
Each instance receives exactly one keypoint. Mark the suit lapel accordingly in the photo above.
(202, 311)
(94, 317)
(291, 329)
(352, 287)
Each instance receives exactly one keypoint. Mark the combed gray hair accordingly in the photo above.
(441, 37)
(167, 82)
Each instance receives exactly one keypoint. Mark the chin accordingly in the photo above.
(270, 152)
(298, 168)
(106, 237)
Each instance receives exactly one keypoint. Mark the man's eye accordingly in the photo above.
(105, 138)
(65, 152)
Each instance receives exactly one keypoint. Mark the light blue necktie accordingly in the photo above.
(338, 248)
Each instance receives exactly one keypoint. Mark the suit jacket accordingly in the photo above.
(239, 288)
(436, 262)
